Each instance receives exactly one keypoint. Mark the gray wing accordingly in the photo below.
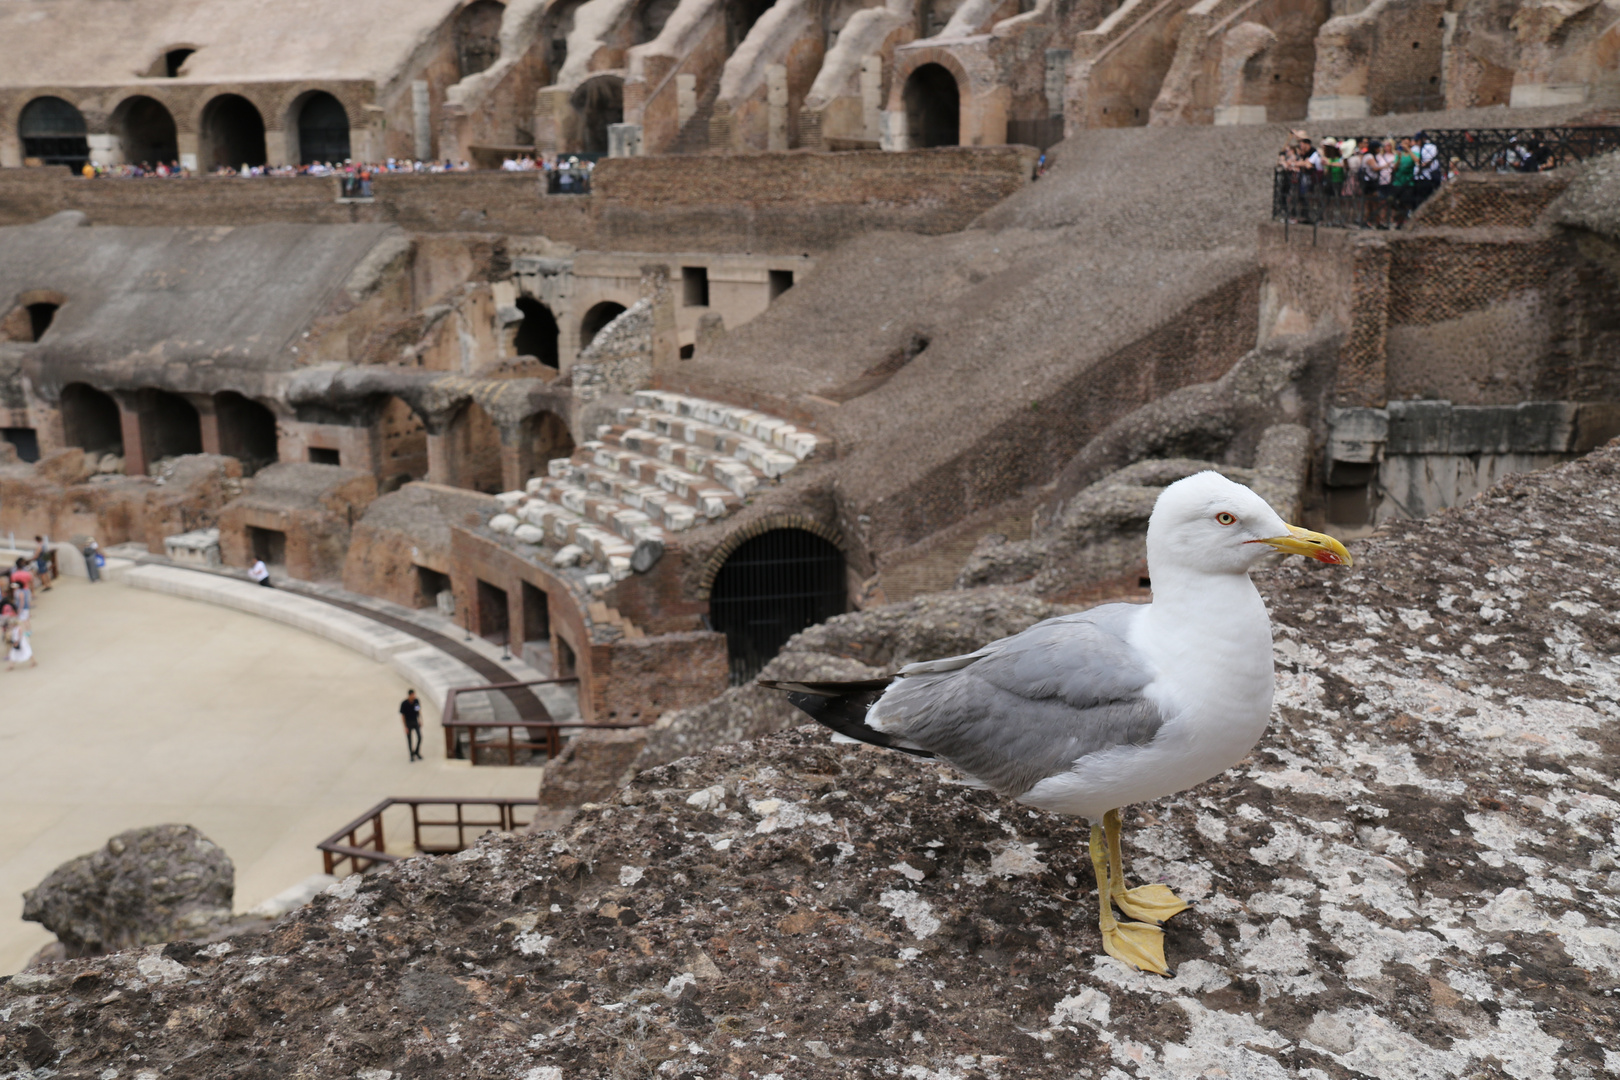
(1027, 707)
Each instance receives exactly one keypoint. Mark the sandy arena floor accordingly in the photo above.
(147, 709)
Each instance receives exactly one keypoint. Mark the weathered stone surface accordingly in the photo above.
(1412, 876)
(149, 885)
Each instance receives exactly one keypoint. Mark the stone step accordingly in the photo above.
(609, 534)
(739, 478)
(665, 508)
(773, 431)
(698, 491)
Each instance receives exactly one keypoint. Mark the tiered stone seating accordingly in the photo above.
(670, 462)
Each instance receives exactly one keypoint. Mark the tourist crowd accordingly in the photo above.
(20, 586)
(348, 169)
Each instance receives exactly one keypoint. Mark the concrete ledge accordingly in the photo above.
(428, 669)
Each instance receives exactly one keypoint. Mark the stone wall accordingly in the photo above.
(760, 203)
(313, 506)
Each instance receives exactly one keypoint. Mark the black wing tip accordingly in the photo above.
(841, 707)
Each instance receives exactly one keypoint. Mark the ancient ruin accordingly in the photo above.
(824, 338)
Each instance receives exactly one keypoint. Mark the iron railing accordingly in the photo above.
(362, 852)
(1499, 149)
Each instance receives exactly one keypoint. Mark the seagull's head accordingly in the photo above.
(1205, 523)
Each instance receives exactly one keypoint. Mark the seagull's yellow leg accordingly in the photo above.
(1137, 944)
(1149, 903)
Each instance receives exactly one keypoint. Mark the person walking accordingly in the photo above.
(20, 649)
(410, 711)
(93, 561)
(260, 573)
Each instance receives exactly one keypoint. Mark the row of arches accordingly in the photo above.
(539, 335)
(169, 424)
(231, 131)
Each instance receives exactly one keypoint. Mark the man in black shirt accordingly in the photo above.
(410, 711)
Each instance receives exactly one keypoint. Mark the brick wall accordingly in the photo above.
(789, 203)
(1476, 200)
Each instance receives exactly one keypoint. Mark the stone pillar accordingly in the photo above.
(893, 134)
(188, 145)
(872, 97)
(370, 142)
(422, 118)
(686, 98)
(1057, 76)
(441, 467)
(106, 149)
(551, 114)
(666, 343)
(280, 147)
(207, 421)
(129, 421)
(624, 140)
(517, 458)
(776, 101)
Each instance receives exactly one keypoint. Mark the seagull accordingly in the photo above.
(1120, 704)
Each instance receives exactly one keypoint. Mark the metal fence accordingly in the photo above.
(568, 182)
(440, 834)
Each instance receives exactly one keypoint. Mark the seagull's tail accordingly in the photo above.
(842, 706)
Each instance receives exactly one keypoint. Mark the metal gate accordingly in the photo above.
(770, 588)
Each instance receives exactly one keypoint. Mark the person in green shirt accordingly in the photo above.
(1402, 181)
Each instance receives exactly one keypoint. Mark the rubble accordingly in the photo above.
(1413, 875)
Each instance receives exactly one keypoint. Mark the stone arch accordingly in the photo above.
(90, 420)
(170, 61)
(32, 315)
(322, 126)
(933, 103)
(537, 334)
(770, 586)
(402, 443)
(145, 130)
(475, 450)
(478, 36)
(598, 102)
(170, 425)
(717, 558)
(53, 132)
(555, 27)
(247, 431)
(599, 315)
(648, 19)
(231, 133)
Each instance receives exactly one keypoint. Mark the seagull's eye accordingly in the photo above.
(1225, 519)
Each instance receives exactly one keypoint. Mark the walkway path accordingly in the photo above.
(148, 708)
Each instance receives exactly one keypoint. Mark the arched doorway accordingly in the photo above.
(323, 129)
(599, 102)
(649, 18)
(771, 587)
(90, 420)
(145, 131)
(478, 36)
(247, 431)
(475, 450)
(595, 319)
(548, 439)
(933, 107)
(741, 15)
(53, 133)
(233, 133)
(537, 333)
(169, 425)
(557, 24)
(402, 444)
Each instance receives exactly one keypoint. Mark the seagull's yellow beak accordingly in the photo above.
(1312, 545)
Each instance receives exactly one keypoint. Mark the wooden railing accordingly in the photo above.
(362, 852)
(540, 733)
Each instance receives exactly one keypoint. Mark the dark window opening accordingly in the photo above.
(478, 36)
(404, 444)
(537, 333)
(53, 133)
(549, 438)
(40, 317)
(1144, 583)
(567, 666)
(492, 613)
(596, 319)
(268, 545)
(770, 588)
(234, 133)
(649, 19)
(475, 450)
(174, 60)
(90, 420)
(688, 351)
(536, 614)
(781, 282)
(247, 431)
(320, 455)
(741, 15)
(25, 440)
(695, 286)
(933, 107)
(429, 584)
(323, 130)
(599, 104)
(146, 132)
(169, 426)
